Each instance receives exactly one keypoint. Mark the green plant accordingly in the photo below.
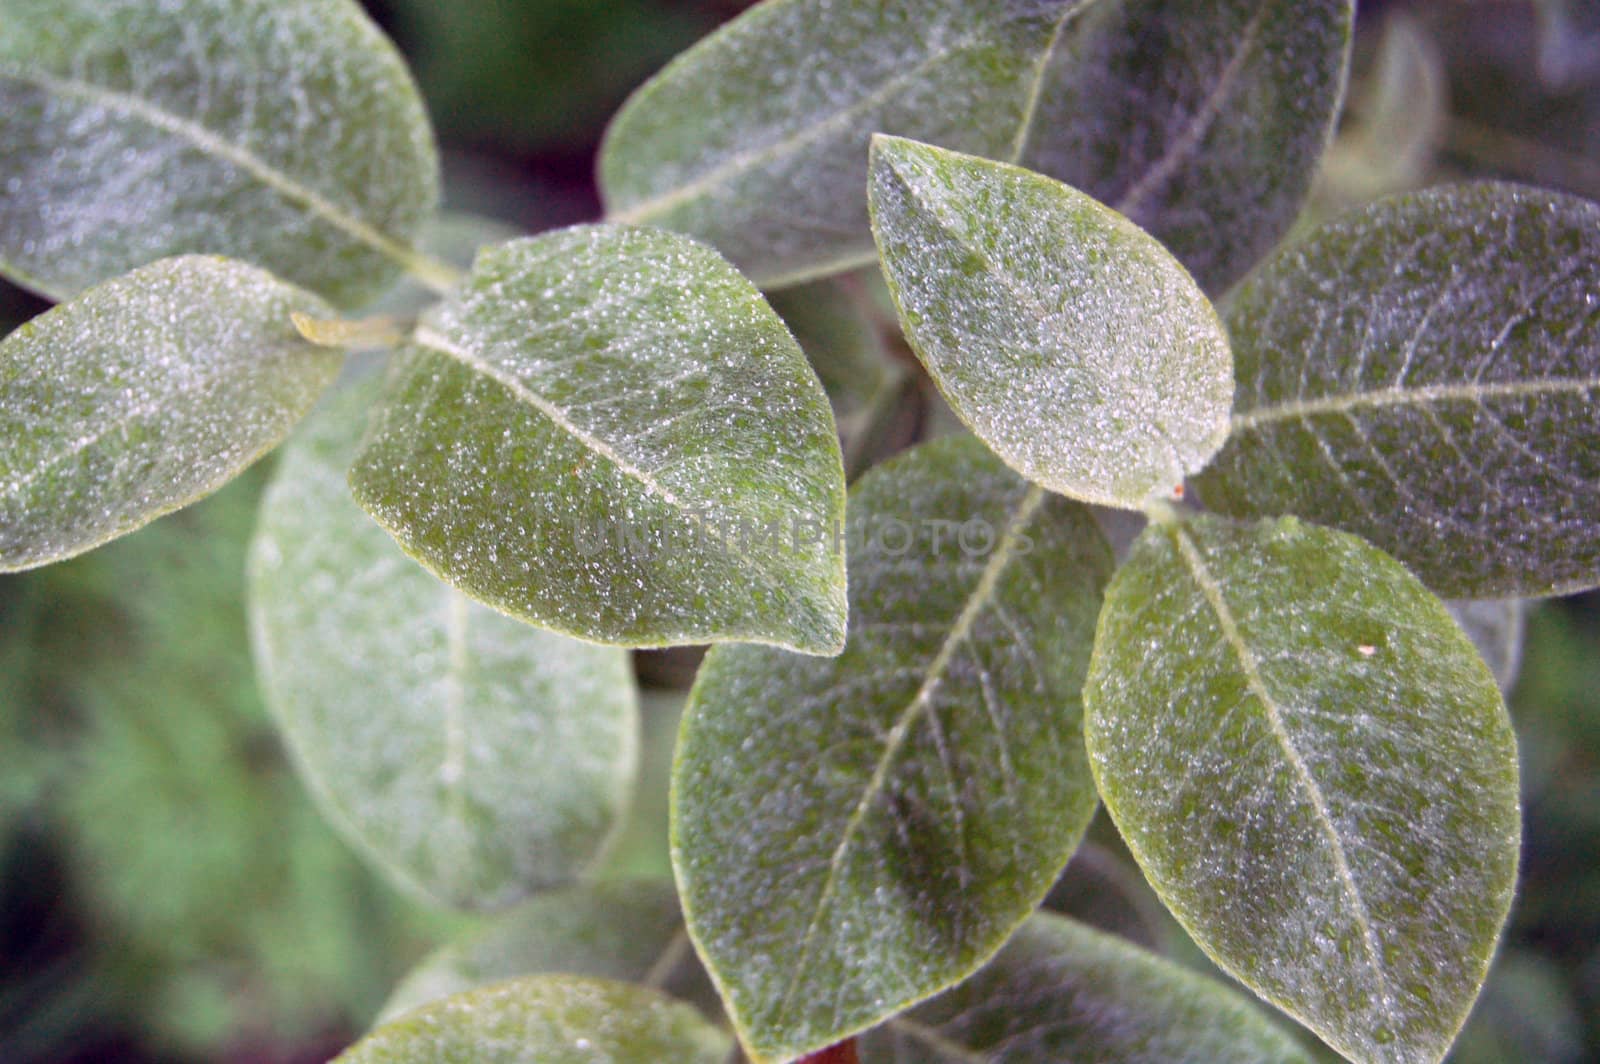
(609, 433)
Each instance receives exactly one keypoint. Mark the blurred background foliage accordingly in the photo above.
(167, 891)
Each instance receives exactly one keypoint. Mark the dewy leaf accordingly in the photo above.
(1061, 991)
(287, 133)
(475, 758)
(608, 432)
(143, 395)
(756, 139)
(851, 836)
(1067, 339)
(630, 932)
(547, 1020)
(1202, 122)
(1316, 772)
(1424, 373)
(1495, 627)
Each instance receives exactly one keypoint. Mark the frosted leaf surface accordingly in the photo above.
(608, 432)
(755, 140)
(143, 395)
(1061, 991)
(287, 133)
(546, 1019)
(1496, 628)
(631, 932)
(1202, 122)
(475, 758)
(1063, 336)
(1424, 372)
(853, 835)
(1316, 772)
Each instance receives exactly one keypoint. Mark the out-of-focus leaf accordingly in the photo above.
(631, 932)
(1316, 772)
(141, 396)
(546, 1020)
(1495, 627)
(1067, 339)
(286, 133)
(640, 849)
(853, 835)
(475, 758)
(1101, 890)
(1204, 123)
(756, 139)
(1424, 372)
(1061, 991)
(608, 432)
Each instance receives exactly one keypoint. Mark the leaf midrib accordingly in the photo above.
(218, 147)
(1347, 403)
(1256, 683)
(982, 594)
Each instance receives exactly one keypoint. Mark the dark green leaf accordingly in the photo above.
(1202, 122)
(1316, 772)
(1067, 339)
(608, 432)
(1061, 991)
(756, 138)
(1424, 373)
(143, 395)
(474, 757)
(546, 1020)
(286, 133)
(853, 835)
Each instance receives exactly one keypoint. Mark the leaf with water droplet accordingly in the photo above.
(1061, 991)
(853, 835)
(1315, 770)
(608, 432)
(1424, 372)
(1064, 336)
(287, 133)
(546, 1019)
(144, 394)
(474, 758)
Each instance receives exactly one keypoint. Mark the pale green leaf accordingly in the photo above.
(1061, 991)
(1316, 772)
(546, 1020)
(854, 835)
(1066, 338)
(756, 139)
(1424, 372)
(608, 432)
(631, 932)
(1495, 627)
(287, 133)
(1204, 123)
(143, 395)
(475, 758)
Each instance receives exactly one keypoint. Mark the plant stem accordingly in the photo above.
(843, 1053)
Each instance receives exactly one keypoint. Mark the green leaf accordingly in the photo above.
(1061, 991)
(1067, 339)
(546, 1020)
(287, 133)
(474, 758)
(851, 836)
(1204, 123)
(1316, 772)
(756, 139)
(630, 932)
(1495, 627)
(143, 395)
(609, 433)
(1424, 373)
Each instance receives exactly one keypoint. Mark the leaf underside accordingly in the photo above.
(143, 395)
(287, 133)
(475, 758)
(853, 835)
(1316, 772)
(608, 432)
(1424, 373)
